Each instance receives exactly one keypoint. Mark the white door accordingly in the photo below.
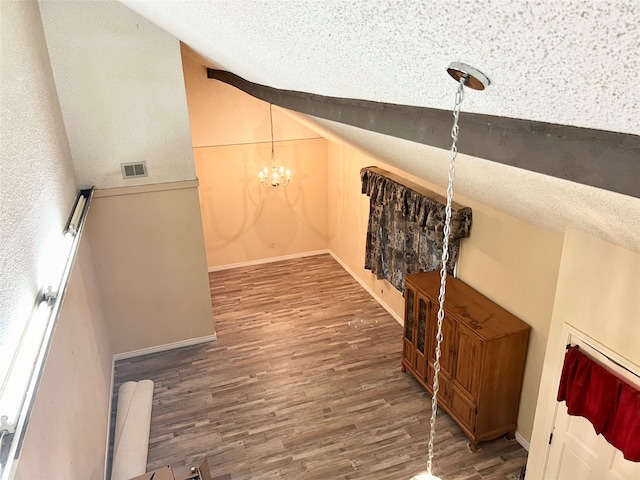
(576, 452)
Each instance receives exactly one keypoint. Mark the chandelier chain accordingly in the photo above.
(275, 176)
(272, 148)
(455, 130)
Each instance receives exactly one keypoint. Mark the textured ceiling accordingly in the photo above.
(572, 62)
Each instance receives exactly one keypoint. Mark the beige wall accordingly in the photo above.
(348, 217)
(231, 135)
(149, 258)
(67, 433)
(223, 115)
(515, 264)
(244, 221)
(510, 261)
(598, 294)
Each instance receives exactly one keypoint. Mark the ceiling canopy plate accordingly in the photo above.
(475, 78)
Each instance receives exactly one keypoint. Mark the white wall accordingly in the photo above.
(598, 294)
(119, 79)
(37, 182)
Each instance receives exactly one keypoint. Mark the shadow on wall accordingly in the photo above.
(244, 221)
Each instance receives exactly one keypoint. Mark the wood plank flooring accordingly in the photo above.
(304, 382)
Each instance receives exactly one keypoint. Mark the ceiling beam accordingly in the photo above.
(607, 160)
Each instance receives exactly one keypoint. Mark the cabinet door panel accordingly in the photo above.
(443, 382)
(409, 314)
(408, 348)
(408, 352)
(423, 311)
(468, 362)
(447, 355)
(463, 407)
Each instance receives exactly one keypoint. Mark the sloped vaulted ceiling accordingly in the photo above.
(573, 63)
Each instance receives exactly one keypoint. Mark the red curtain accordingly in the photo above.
(609, 403)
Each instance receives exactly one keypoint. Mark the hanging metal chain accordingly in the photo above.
(272, 148)
(453, 153)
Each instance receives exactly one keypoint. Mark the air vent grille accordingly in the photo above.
(134, 170)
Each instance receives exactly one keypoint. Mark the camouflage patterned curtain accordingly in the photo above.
(405, 232)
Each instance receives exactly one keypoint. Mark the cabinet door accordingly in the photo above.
(469, 362)
(423, 311)
(408, 349)
(463, 407)
(443, 382)
(447, 352)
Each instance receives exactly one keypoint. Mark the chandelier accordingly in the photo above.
(466, 76)
(277, 175)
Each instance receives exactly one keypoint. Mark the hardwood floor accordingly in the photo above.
(304, 382)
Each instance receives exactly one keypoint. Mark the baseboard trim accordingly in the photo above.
(520, 439)
(165, 347)
(369, 290)
(261, 261)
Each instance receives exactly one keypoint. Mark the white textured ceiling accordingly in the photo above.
(570, 62)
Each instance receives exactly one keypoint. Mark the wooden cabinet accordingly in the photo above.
(482, 354)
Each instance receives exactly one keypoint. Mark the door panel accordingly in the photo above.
(423, 311)
(447, 357)
(468, 362)
(443, 382)
(577, 452)
(408, 350)
(464, 408)
(409, 315)
(573, 467)
(624, 468)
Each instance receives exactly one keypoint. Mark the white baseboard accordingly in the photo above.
(520, 439)
(261, 261)
(167, 346)
(397, 317)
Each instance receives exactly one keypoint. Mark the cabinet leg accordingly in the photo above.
(511, 435)
(404, 369)
(473, 446)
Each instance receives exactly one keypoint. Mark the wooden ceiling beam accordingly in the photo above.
(602, 159)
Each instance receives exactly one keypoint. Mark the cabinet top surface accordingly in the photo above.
(469, 306)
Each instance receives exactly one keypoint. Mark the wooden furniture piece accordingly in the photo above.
(201, 472)
(482, 354)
